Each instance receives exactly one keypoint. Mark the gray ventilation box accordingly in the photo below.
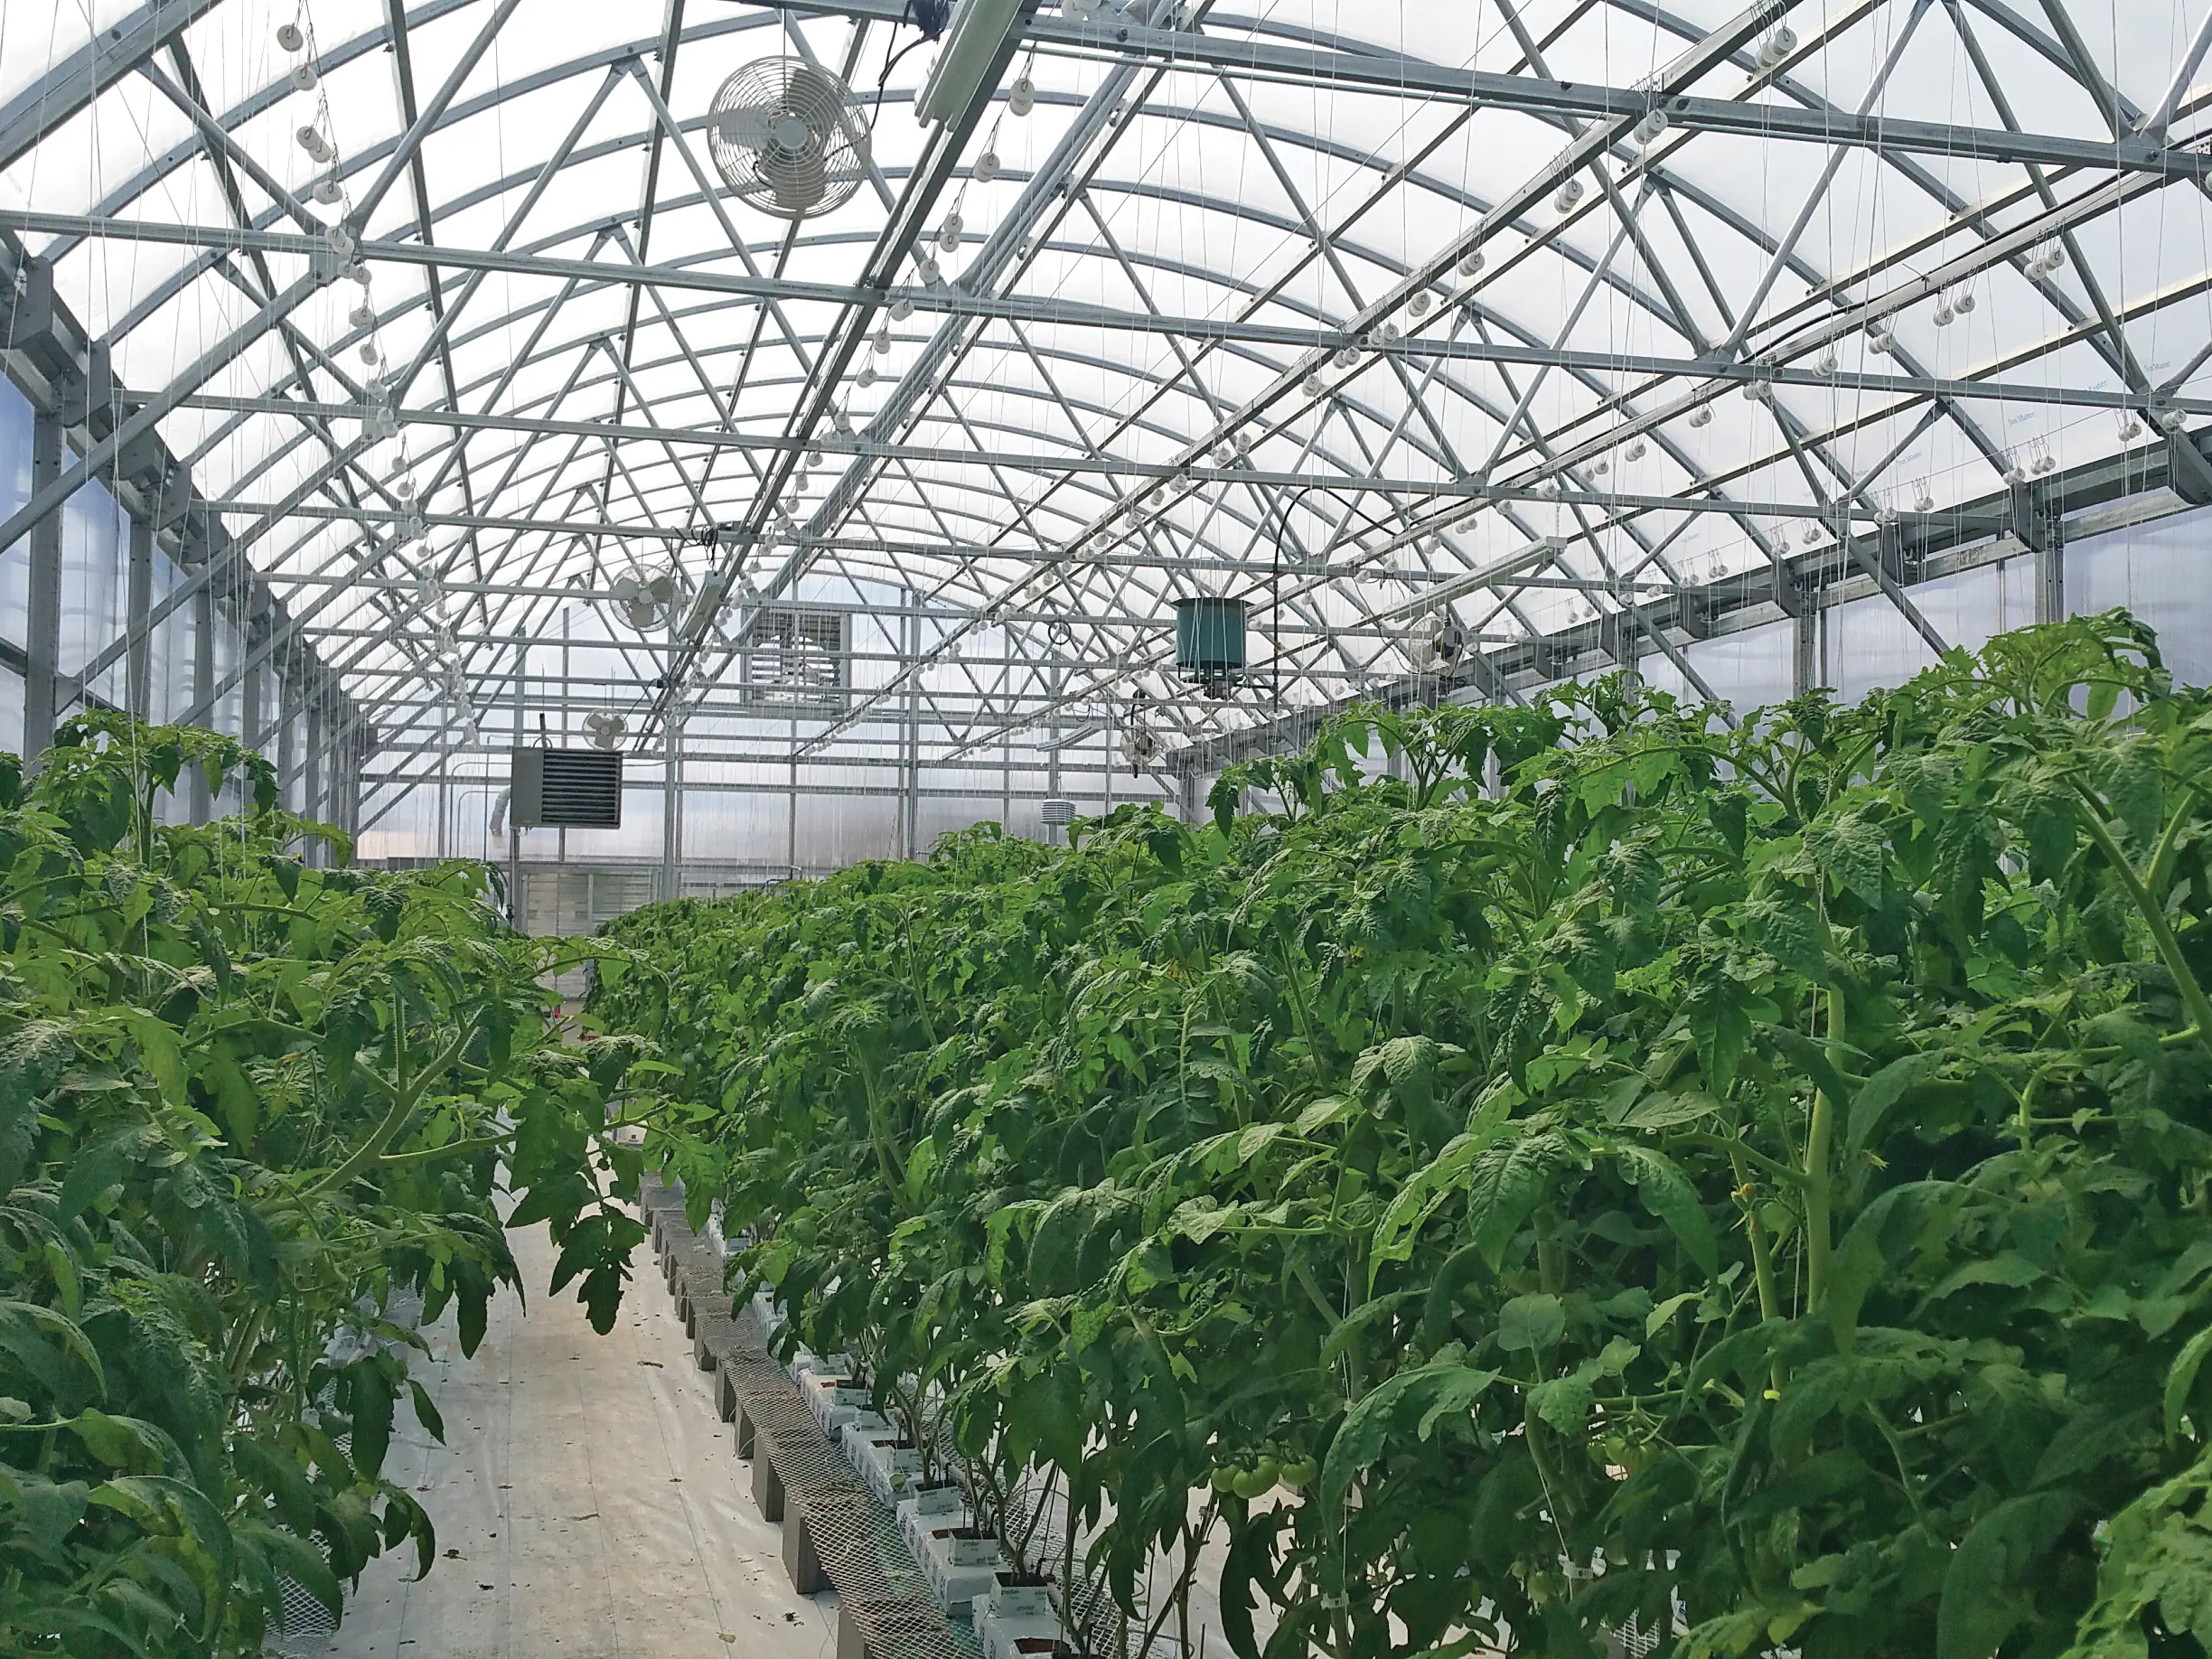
(1058, 812)
(566, 789)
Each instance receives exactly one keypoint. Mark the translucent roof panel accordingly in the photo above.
(1557, 319)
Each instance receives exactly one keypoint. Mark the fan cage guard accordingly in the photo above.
(782, 134)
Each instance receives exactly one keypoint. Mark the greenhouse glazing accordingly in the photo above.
(368, 361)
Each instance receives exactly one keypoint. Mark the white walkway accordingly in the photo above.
(588, 1501)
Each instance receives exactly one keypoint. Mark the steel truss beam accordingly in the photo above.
(1706, 378)
(68, 87)
(1703, 53)
(1841, 497)
(1114, 39)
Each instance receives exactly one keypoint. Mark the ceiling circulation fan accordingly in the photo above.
(646, 602)
(787, 138)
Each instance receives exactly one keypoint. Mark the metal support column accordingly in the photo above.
(311, 779)
(560, 856)
(138, 601)
(43, 626)
(1805, 646)
(672, 799)
(345, 781)
(203, 687)
(910, 651)
(334, 787)
(2050, 596)
(1053, 836)
(249, 701)
(515, 830)
(287, 712)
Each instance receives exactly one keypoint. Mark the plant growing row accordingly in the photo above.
(1752, 1183)
(247, 1107)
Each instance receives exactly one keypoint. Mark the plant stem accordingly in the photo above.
(404, 1100)
(2153, 914)
(424, 1154)
(1819, 1136)
(1762, 1269)
(1736, 1149)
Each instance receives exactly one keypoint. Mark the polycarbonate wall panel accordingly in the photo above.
(2160, 571)
(229, 714)
(11, 711)
(15, 490)
(751, 827)
(1745, 670)
(1750, 669)
(95, 588)
(95, 553)
(170, 648)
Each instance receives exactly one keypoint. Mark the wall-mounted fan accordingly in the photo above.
(604, 729)
(782, 133)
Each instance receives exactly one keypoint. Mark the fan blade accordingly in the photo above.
(798, 183)
(816, 97)
(750, 126)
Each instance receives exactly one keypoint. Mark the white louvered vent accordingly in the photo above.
(797, 658)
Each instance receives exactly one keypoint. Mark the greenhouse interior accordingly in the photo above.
(1133, 828)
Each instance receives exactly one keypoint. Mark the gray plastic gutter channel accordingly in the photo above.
(836, 1534)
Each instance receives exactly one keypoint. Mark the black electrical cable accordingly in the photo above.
(930, 16)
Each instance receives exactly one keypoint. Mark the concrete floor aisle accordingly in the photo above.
(588, 1501)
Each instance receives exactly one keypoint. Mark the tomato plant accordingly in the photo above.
(247, 1107)
(1749, 1182)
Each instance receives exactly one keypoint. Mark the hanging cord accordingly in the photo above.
(930, 16)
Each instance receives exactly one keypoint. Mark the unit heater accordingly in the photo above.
(566, 789)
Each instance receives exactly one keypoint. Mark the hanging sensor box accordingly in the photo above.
(1210, 639)
(566, 789)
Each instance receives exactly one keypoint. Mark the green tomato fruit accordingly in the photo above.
(1302, 1473)
(1259, 1480)
(1224, 1477)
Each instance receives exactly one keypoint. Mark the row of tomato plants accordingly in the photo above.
(253, 1104)
(1523, 1170)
